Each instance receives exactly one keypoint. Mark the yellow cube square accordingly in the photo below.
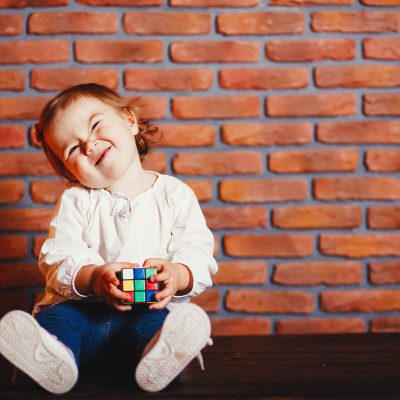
(127, 286)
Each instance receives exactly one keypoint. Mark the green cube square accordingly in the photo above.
(140, 284)
(140, 297)
(150, 272)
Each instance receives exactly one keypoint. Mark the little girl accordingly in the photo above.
(114, 214)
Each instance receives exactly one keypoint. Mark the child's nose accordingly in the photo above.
(89, 146)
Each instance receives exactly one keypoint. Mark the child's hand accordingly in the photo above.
(104, 284)
(174, 277)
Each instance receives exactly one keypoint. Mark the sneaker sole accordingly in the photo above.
(185, 332)
(30, 350)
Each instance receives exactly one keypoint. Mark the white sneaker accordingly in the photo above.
(185, 332)
(37, 353)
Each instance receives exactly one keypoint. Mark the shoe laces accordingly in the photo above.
(200, 357)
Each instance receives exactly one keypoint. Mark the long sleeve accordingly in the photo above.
(192, 243)
(65, 251)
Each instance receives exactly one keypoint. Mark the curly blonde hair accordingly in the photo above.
(145, 137)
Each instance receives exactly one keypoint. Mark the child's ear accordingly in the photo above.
(132, 120)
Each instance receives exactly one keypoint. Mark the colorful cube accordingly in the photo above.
(135, 282)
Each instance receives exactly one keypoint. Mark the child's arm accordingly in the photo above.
(190, 264)
(177, 279)
(103, 283)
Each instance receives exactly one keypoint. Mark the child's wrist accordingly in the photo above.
(185, 279)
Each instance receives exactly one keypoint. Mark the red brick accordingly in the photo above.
(272, 245)
(235, 217)
(179, 135)
(384, 217)
(311, 105)
(63, 78)
(167, 23)
(152, 107)
(217, 163)
(11, 24)
(264, 78)
(12, 136)
(37, 244)
(118, 51)
(318, 326)
(208, 300)
(12, 80)
(262, 301)
(47, 191)
(299, 3)
(21, 107)
(13, 246)
(11, 191)
(122, 3)
(381, 104)
(296, 161)
(32, 3)
(169, 79)
(34, 51)
(240, 326)
(156, 162)
(360, 245)
(383, 160)
(357, 188)
(263, 190)
(358, 76)
(360, 300)
(385, 324)
(313, 273)
(310, 50)
(267, 134)
(45, 23)
(381, 3)
(213, 3)
(214, 51)
(241, 273)
(202, 189)
(261, 23)
(33, 219)
(315, 217)
(205, 107)
(359, 132)
(382, 48)
(34, 164)
(20, 275)
(13, 300)
(384, 272)
(356, 21)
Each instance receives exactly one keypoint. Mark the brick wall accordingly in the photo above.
(282, 115)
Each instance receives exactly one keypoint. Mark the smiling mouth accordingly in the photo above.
(103, 155)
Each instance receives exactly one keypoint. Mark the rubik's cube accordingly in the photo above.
(135, 282)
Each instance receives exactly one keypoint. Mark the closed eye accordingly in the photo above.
(72, 150)
(94, 126)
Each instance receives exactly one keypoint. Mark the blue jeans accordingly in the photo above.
(94, 330)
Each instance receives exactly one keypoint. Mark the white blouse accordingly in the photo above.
(94, 226)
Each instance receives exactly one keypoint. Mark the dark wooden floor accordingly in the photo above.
(277, 367)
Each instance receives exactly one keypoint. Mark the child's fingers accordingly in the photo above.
(154, 262)
(161, 277)
(161, 304)
(117, 294)
(167, 291)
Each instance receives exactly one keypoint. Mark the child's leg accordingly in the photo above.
(185, 332)
(37, 353)
(142, 328)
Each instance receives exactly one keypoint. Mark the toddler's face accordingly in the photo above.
(95, 142)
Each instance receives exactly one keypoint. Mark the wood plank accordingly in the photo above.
(353, 366)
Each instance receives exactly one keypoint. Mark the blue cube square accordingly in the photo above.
(150, 296)
(139, 273)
